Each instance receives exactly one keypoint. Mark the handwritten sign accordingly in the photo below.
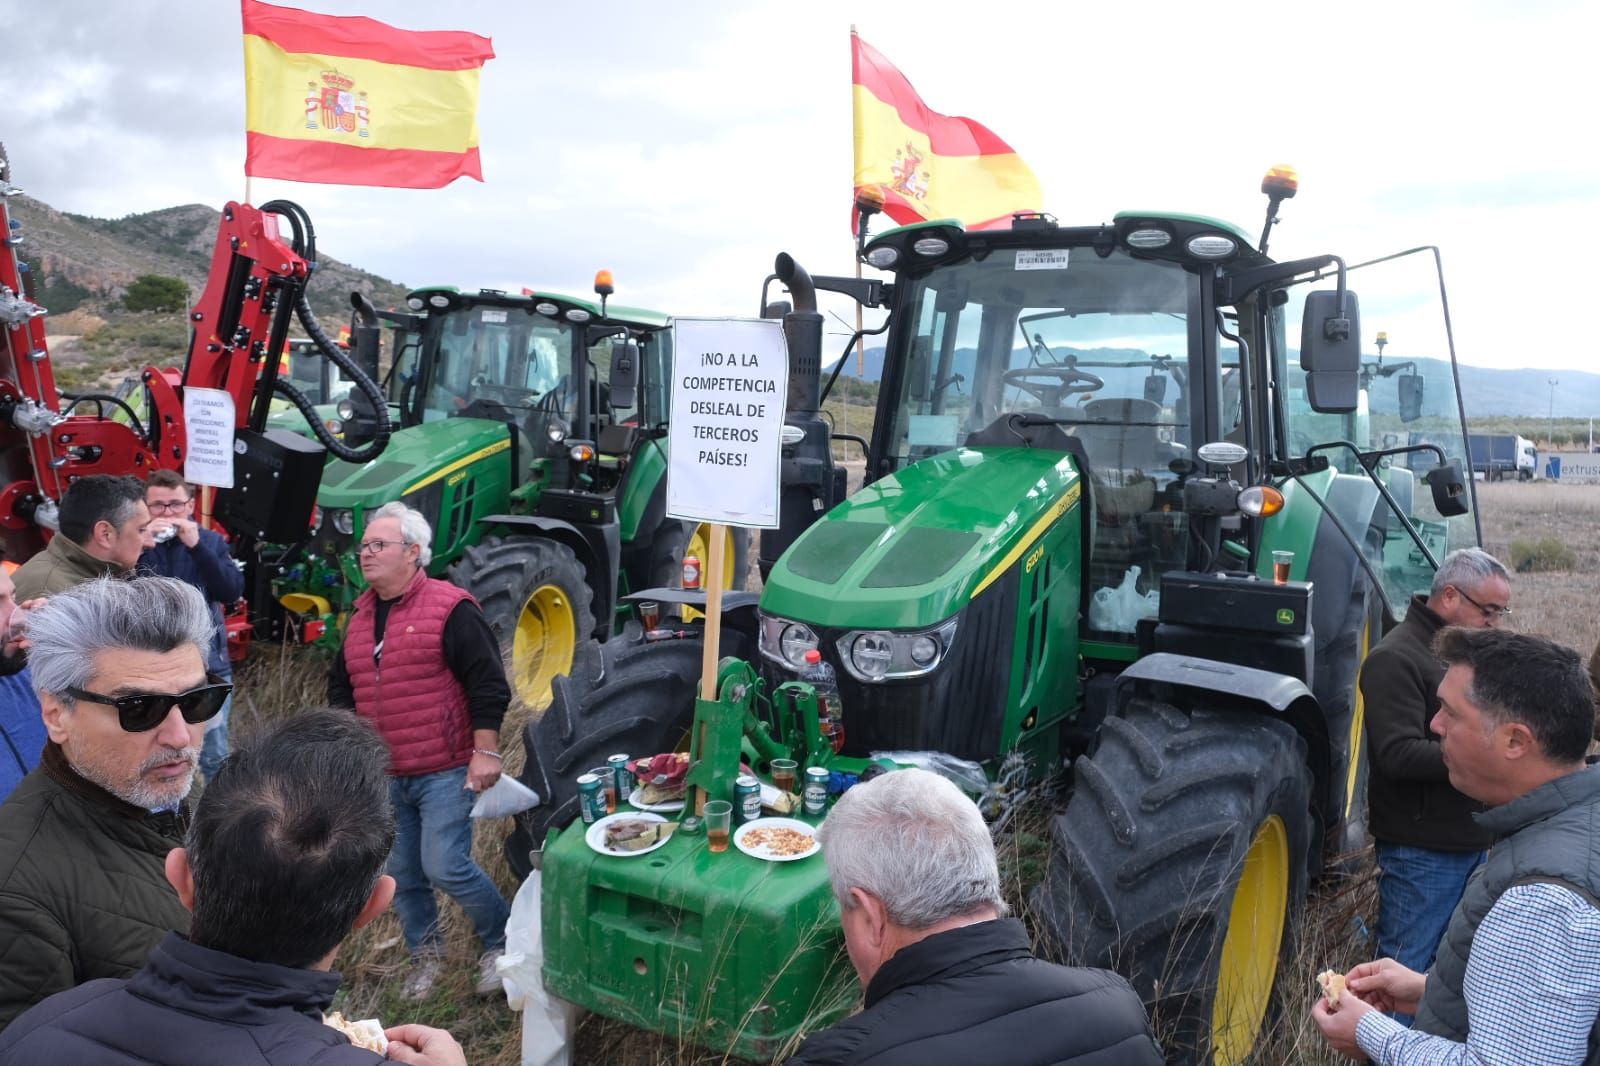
(730, 380)
(208, 417)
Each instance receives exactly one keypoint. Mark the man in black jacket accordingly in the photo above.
(284, 859)
(1427, 841)
(949, 978)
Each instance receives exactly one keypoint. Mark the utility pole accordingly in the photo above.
(1552, 438)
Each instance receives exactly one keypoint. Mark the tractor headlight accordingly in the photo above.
(884, 655)
(786, 642)
(344, 520)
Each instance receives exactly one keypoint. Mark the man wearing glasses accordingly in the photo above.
(119, 667)
(200, 557)
(1427, 840)
(420, 662)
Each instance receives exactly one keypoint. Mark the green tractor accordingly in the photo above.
(530, 430)
(1118, 521)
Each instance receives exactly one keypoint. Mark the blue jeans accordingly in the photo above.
(1418, 890)
(215, 746)
(433, 849)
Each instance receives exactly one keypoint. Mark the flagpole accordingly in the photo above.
(247, 190)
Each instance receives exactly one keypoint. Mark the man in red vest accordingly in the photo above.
(420, 661)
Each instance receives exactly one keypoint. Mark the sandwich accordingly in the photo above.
(366, 1033)
(1332, 987)
(636, 834)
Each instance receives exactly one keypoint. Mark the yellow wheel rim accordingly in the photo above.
(1250, 951)
(544, 644)
(700, 548)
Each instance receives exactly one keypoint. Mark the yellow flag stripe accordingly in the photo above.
(973, 188)
(409, 107)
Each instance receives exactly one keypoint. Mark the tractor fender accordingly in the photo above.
(598, 548)
(1187, 681)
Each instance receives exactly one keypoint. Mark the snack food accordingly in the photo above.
(1332, 987)
(661, 777)
(366, 1033)
(635, 834)
(780, 841)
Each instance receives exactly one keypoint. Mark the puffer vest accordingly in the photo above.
(1551, 835)
(412, 698)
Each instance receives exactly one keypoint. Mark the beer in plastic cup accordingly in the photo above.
(608, 784)
(650, 615)
(719, 819)
(784, 774)
(1281, 561)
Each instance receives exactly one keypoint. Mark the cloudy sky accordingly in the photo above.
(682, 145)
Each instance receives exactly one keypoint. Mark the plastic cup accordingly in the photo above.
(1281, 562)
(608, 786)
(16, 627)
(719, 819)
(650, 615)
(785, 774)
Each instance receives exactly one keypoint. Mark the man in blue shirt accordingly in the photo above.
(22, 733)
(201, 558)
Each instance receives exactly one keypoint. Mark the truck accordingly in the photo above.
(1069, 415)
(1497, 456)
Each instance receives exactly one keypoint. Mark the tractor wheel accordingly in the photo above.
(641, 704)
(538, 603)
(1181, 862)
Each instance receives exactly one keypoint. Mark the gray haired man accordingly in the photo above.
(949, 979)
(119, 667)
(1427, 841)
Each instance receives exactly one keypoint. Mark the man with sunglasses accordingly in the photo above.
(119, 668)
(103, 525)
(420, 662)
(1427, 840)
(199, 556)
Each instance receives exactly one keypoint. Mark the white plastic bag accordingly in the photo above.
(504, 798)
(1118, 610)
(547, 1022)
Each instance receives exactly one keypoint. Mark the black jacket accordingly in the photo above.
(976, 994)
(209, 567)
(1409, 797)
(189, 1005)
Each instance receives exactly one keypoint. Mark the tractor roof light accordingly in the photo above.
(1260, 501)
(1281, 182)
(545, 307)
(577, 314)
(1212, 246)
(603, 285)
(439, 300)
(930, 246)
(884, 257)
(416, 303)
(1148, 237)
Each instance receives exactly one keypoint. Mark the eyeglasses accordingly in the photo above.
(168, 506)
(140, 712)
(1489, 610)
(373, 547)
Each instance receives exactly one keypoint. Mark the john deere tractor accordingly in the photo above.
(530, 431)
(1124, 517)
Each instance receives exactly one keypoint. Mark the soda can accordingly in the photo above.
(815, 797)
(624, 776)
(591, 798)
(747, 797)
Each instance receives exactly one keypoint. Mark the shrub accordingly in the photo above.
(156, 292)
(1537, 556)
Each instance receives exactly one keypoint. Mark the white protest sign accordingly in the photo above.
(208, 420)
(730, 381)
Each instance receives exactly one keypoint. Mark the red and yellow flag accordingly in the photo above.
(928, 165)
(352, 101)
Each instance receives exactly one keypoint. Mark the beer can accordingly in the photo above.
(815, 796)
(591, 798)
(747, 797)
(624, 776)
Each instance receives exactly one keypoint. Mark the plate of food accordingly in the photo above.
(777, 839)
(627, 834)
(662, 782)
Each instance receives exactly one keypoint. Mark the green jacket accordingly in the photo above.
(83, 888)
(58, 568)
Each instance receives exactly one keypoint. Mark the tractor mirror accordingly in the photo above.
(1155, 388)
(624, 374)
(1410, 396)
(1330, 351)
(1449, 490)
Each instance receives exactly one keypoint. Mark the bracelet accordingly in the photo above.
(486, 751)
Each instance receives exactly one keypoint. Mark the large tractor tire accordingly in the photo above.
(538, 602)
(639, 702)
(1181, 862)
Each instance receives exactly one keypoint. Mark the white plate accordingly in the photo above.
(595, 835)
(775, 823)
(668, 807)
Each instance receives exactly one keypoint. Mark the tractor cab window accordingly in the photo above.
(502, 363)
(1096, 346)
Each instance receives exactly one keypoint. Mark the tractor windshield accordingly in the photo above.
(1098, 345)
(500, 362)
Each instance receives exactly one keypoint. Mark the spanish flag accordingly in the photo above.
(352, 101)
(927, 165)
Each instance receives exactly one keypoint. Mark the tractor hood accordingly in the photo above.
(416, 457)
(913, 548)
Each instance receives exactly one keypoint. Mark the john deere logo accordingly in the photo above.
(1285, 616)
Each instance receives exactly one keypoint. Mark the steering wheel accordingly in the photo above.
(1062, 382)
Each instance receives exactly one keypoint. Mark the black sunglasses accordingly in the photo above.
(141, 712)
